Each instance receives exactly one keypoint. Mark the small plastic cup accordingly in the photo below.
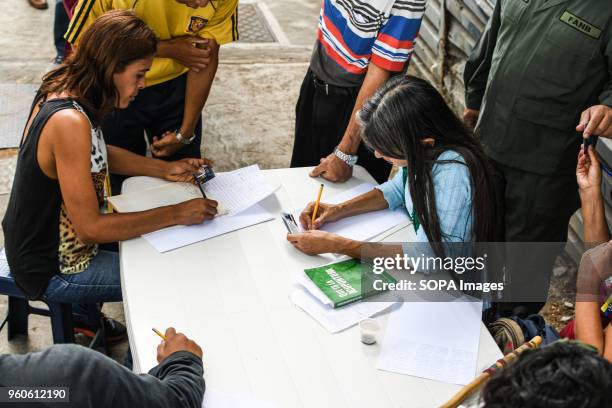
(369, 331)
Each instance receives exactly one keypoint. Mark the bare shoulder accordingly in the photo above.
(69, 119)
(69, 127)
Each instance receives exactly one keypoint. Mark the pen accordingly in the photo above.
(592, 141)
(195, 178)
(164, 338)
(589, 141)
(316, 208)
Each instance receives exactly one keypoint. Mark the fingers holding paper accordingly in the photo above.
(315, 242)
(195, 211)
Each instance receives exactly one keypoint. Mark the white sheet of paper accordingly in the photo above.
(434, 340)
(154, 197)
(219, 399)
(239, 189)
(313, 289)
(171, 238)
(362, 227)
(335, 320)
(235, 191)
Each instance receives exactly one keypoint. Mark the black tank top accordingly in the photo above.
(32, 221)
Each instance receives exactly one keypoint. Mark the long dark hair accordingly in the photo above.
(111, 43)
(394, 122)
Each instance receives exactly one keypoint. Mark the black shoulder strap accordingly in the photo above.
(34, 102)
(47, 109)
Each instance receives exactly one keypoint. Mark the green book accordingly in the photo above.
(341, 282)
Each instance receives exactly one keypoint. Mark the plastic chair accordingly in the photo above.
(19, 309)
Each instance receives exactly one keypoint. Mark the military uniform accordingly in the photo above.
(537, 67)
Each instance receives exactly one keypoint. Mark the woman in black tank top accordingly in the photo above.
(54, 221)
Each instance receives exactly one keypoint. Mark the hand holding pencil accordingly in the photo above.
(173, 342)
(326, 213)
(317, 213)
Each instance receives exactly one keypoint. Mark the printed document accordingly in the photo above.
(434, 340)
(336, 320)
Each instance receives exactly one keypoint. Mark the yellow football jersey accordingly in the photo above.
(168, 19)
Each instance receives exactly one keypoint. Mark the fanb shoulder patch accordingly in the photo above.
(581, 25)
(196, 24)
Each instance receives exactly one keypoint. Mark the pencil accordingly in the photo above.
(316, 209)
(164, 338)
(195, 178)
(479, 381)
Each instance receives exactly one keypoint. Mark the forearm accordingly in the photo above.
(114, 227)
(164, 49)
(367, 251)
(607, 352)
(196, 92)
(126, 163)
(371, 201)
(374, 79)
(588, 326)
(594, 219)
(181, 379)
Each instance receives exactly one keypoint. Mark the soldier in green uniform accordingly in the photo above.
(539, 79)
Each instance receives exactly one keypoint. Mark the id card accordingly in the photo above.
(206, 173)
(290, 223)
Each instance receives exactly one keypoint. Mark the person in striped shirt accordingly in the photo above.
(359, 46)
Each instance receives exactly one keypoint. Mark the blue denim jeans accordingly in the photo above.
(100, 282)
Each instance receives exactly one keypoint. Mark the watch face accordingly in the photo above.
(187, 140)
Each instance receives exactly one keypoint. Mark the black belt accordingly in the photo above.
(333, 90)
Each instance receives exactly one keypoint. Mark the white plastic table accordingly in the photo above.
(231, 295)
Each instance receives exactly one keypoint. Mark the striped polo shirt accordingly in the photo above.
(352, 33)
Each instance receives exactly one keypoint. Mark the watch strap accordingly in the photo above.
(349, 159)
(182, 139)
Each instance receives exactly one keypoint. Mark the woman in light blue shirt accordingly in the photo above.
(445, 181)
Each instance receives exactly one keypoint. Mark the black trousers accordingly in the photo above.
(60, 26)
(537, 209)
(156, 109)
(321, 117)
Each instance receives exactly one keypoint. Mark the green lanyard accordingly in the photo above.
(413, 217)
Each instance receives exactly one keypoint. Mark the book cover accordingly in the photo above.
(341, 282)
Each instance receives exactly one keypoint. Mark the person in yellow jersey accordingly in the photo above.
(168, 110)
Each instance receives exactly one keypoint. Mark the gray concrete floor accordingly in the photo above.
(248, 118)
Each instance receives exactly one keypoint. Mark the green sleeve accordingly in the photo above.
(606, 96)
(479, 63)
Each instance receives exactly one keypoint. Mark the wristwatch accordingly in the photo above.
(349, 159)
(182, 139)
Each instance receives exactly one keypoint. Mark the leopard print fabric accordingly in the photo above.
(74, 255)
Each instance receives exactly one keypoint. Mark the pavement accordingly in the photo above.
(249, 116)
